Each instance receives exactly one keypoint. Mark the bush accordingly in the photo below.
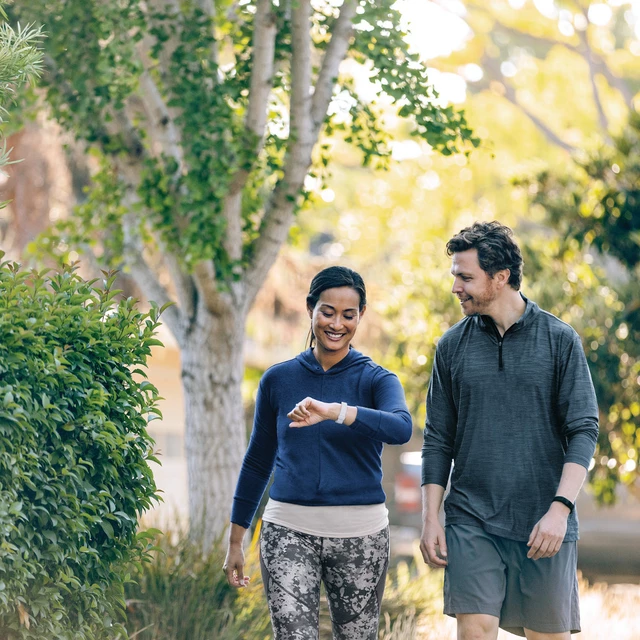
(74, 453)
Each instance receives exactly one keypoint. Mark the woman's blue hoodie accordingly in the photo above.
(327, 463)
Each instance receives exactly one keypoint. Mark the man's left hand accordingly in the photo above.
(547, 535)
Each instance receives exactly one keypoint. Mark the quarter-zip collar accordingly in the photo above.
(486, 323)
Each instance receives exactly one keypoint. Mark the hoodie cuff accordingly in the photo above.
(367, 422)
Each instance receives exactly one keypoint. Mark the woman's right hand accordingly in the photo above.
(234, 566)
(234, 562)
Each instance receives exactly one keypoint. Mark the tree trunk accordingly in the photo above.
(38, 185)
(215, 437)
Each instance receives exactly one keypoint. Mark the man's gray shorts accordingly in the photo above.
(492, 575)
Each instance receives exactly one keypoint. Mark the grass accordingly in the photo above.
(178, 594)
(610, 612)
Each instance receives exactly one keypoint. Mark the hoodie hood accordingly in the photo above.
(352, 359)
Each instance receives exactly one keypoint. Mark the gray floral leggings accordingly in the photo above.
(353, 571)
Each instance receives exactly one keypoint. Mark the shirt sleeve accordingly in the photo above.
(441, 423)
(390, 420)
(258, 461)
(577, 405)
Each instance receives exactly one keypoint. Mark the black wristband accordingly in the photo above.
(566, 502)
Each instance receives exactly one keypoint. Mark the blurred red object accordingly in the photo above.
(408, 497)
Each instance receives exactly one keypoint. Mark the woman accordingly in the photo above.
(322, 419)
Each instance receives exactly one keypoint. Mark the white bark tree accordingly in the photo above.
(206, 117)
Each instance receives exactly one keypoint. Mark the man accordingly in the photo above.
(512, 404)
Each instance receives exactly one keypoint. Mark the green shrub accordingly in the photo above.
(74, 452)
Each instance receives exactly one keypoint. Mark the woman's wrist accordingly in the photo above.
(349, 416)
(236, 535)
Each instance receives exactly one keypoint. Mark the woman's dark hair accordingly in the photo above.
(496, 248)
(331, 278)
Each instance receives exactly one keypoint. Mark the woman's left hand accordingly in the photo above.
(310, 411)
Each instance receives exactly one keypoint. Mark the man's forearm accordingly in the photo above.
(432, 495)
(571, 481)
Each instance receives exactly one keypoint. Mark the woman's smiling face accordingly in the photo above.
(335, 318)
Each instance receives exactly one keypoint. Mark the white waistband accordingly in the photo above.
(335, 521)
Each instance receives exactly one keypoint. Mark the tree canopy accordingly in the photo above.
(210, 125)
(596, 208)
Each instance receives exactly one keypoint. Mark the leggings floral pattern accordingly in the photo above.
(353, 571)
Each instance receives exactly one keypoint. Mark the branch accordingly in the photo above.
(129, 169)
(232, 212)
(510, 95)
(162, 129)
(161, 119)
(128, 166)
(615, 81)
(182, 282)
(523, 36)
(264, 44)
(93, 263)
(336, 52)
(307, 116)
(176, 317)
(278, 214)
(143, 274)
(597, 60)
(274, 230)
(168, 47)
(490, 65)
(214, 300)
(117, 123)
(300, 131)
(209, 9)
(588, 56)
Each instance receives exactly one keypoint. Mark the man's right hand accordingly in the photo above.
(433, 543)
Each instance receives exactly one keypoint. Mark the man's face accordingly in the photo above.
(473, 286)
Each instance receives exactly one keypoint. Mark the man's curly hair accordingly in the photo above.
(496, 248)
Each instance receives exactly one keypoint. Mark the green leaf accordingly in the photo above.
(107, 528)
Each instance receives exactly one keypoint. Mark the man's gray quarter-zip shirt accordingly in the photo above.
(508, 411)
